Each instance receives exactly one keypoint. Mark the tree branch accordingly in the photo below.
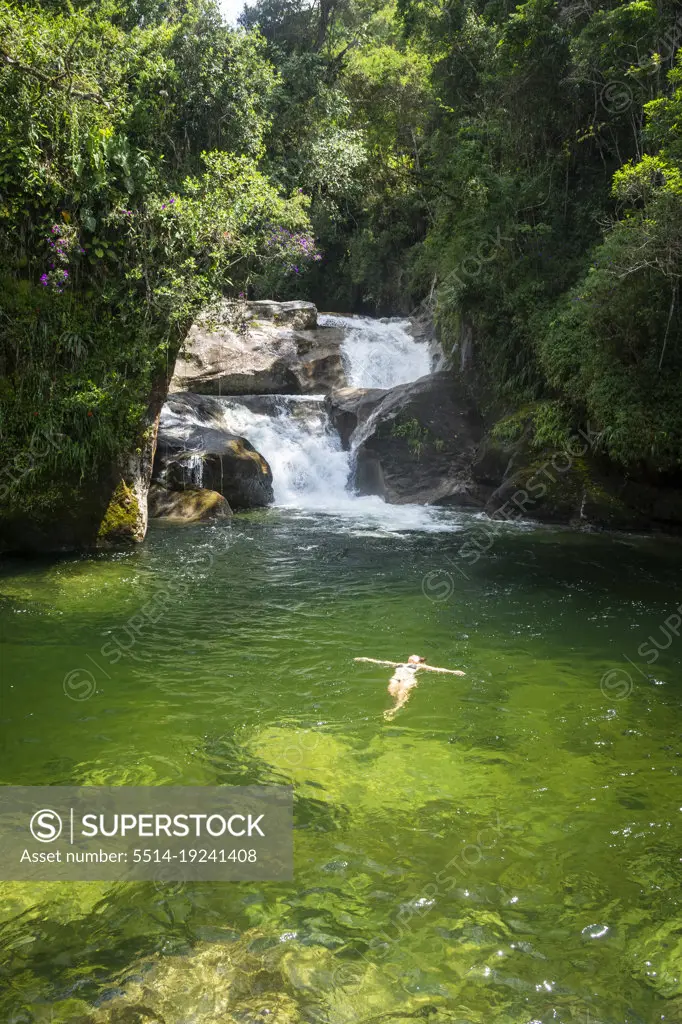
(52, 82)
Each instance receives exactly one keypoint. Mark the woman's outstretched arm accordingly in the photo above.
(375, 661)
(449, 671)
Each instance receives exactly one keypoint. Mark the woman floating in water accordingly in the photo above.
(404, 679)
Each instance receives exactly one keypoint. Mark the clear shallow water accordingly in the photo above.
(506, 850)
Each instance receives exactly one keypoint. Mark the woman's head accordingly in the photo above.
(415, 659)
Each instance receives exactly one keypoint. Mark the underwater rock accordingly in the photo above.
(419, 442)
(254, 348)
(219, 983)
(254, 980)
(657, 959)
(193, 505)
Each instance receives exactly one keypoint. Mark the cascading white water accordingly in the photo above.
(309, 468)
(379, 353)
(195, 468)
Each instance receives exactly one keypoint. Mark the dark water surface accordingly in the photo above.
(507, 849)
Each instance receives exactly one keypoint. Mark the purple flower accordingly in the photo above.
(65, 274)
(170, 202)
(44, 281)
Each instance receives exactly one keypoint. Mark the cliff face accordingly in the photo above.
(516, 472)
(89, 514)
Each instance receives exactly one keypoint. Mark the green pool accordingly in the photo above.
(507, 849)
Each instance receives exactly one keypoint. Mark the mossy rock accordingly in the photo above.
(73, 515)
(193, 505)
(123, 521)
(558, 487)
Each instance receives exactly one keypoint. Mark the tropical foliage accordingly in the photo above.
(131, 193)
(515, 166)
(519, 164)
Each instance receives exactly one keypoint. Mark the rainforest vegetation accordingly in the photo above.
(513, 168)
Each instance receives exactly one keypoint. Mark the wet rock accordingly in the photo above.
(349, 408)
(554, 486)
(575, 484)
(419, 443)
(260, 348)
(193, 505)
(195, 451)
(492, 462)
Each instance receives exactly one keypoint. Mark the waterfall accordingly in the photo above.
(195, 466)
(310, 469)
(380, 353)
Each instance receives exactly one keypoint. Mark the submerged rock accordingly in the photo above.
(349, 408)
(195, 451)
(223, 983)
(253, 980)
(193, 505)
(255, 348)
(419, 443)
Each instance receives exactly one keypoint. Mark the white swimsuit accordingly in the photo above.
(405, 675)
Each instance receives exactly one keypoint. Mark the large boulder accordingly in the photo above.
(193, 505)
(349, 408)
(418, 444)
(195, 450)
(255, 348)
(558, 487)
(297, 313)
